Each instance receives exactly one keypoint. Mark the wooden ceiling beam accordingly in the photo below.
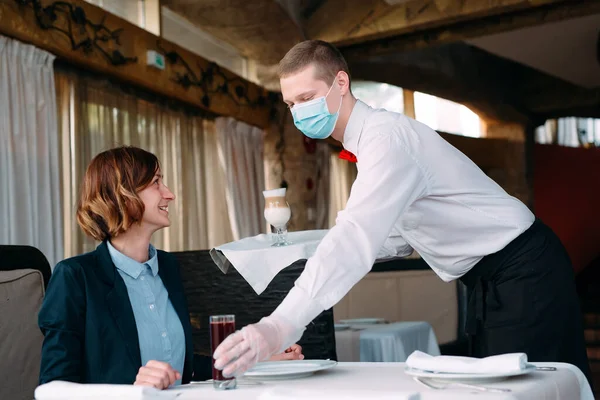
(260, 29)
(543, 13)
(482, 102)
(93, 39)
(494, 87)
(456, 72)
(357, 22)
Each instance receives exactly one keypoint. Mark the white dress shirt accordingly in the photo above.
(413, 191)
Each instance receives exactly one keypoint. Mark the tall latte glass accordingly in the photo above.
(277, 213)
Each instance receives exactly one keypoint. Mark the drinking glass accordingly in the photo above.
(277, 213)
(221, 326)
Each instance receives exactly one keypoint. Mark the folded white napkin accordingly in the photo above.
(258, 262)
(285, 393)
(61, 390)
(504, 363)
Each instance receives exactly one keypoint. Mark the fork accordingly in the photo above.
(460, 384)
(238, 382)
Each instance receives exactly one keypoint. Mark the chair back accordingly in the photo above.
(210, 292)
(24, 274)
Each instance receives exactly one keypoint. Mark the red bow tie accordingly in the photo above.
(346, 155)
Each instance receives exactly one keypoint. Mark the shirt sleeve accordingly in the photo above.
(394, 247)
(388, 181)
(62, 320)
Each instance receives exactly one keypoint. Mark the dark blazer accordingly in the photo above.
(90, 335)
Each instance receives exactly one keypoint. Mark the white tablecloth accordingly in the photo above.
(388, 380)
(385, 342)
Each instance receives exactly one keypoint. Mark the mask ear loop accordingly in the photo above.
(329, 91)
(341, 96)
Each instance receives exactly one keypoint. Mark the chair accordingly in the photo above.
(210, 292)
(24, 274)
(24, 257)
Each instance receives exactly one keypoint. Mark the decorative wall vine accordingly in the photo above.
(82, 33)
(213, 80)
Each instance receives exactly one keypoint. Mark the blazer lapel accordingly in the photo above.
(119, 304)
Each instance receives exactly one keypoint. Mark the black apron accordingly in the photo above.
(523, 299)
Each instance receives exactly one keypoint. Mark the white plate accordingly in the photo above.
(446, 376)
(287, 369)
(363, 321)
(341, 327)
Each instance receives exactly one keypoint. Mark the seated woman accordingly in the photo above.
(119, 314)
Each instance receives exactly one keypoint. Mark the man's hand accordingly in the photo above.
(241, 350)
(157, 374)
(294, 352)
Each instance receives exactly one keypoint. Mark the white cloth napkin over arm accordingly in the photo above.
(61, 390)
(259, 263)
(503, 363)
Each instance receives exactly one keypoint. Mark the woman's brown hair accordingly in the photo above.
(109, 203)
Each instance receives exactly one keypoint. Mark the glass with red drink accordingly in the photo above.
(221, 326)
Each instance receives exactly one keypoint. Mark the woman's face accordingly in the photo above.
(156, 198)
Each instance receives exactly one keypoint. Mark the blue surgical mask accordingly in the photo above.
(313, 117)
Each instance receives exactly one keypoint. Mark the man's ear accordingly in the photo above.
(343, 80)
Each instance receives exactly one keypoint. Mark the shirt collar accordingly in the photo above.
(355, 126)
(130, 266)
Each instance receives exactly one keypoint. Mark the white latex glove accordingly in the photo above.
(241, 350)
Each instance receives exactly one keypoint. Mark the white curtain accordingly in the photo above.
(323, 186)
(96, 115)
(30, 207)
(342, 176)
(242, 159)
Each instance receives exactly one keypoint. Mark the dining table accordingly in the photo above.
(360, 380)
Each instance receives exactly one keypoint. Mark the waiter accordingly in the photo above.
(416, 191)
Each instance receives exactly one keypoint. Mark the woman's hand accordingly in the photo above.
(294, 352)
(157, 374)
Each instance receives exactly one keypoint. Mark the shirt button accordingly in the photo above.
(164, 334)
(142, 278)
(152, 306)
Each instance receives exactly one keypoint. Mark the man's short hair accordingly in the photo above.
(328, 60)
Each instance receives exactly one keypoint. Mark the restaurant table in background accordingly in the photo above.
(388, 380)
(385, 342)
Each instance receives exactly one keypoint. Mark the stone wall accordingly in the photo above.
(301, 160)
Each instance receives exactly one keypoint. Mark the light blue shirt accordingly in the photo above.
(160, 332)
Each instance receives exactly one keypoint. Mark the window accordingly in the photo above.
(131, 10)
(446, 116)
(143, 13)
(570, 132)
(379, 95)
(178, 30)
